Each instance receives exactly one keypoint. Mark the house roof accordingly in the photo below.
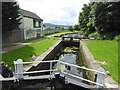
(29, 14)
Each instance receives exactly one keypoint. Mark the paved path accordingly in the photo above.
(16, 46)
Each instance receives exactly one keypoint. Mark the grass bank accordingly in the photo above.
(60, 33)
(28, 50)
(31, 40)
(106, 50)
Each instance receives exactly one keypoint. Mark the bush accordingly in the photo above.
(94, 35)
(117, 38)
(70, 28)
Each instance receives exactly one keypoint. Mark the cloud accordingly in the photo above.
(55, 11)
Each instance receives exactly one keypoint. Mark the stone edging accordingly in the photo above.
(43, 56)
(109, 82)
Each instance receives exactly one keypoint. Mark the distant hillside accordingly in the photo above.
(54, 25)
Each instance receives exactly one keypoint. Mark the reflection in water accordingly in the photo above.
(70, 57)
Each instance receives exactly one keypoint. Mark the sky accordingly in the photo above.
(60, 12)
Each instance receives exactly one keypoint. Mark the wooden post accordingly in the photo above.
(19, 69)
(101, 77)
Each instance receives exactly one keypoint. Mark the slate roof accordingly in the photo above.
(29, 14)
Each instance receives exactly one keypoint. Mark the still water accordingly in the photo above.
(70, 55)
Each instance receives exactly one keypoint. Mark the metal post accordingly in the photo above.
(50, 70)
(19, 69)
(63, 38)
(100, 77)
(15, 70)
(50, 74)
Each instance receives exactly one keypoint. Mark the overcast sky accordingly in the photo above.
(64, 12)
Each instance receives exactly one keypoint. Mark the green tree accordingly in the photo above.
(76, 27)
(86, 19)
(10, 16)
(107, 22)
(70, 28)
(100, 17)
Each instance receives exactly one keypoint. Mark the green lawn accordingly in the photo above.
(25, 52)
(65, 32)
(30, 40)
(106, 50)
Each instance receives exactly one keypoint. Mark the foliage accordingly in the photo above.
(76, 27)
(62, 28)
(107, 21)
(94, 35)
(61, 33)
(117, 38)
(50, 31)
(106, 50)
(10, 16)
(85, 19)
(70, 28)
(103, 17)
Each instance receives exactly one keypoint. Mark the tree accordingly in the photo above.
(100, 17)
(70, 28)
(10, 16)
(76, 27)
(107, 21)
(86, 19)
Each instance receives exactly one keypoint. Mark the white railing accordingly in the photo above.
(83, 79)
(19, 71)
(88, 69)
(101, 74)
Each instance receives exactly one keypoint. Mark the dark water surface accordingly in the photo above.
(71, 57)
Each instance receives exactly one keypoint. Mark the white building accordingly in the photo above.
(31, 24)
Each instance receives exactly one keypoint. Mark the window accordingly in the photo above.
(36, 24)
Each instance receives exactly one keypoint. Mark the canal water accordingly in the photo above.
(70, 55)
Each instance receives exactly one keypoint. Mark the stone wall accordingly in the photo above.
(47, 55)
(88, 61)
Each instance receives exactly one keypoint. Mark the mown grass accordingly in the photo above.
(106, 50)
(26, 51)
(60, 33)
(30, 40)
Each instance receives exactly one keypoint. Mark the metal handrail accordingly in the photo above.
(81, 67)
(82, 79)
(36, 62)
(19, 74)
(31, 72)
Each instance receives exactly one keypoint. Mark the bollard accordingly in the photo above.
(50, 70)
(19, 69)
(101, 77)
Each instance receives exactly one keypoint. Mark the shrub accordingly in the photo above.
(94, 35)
(117, 38)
